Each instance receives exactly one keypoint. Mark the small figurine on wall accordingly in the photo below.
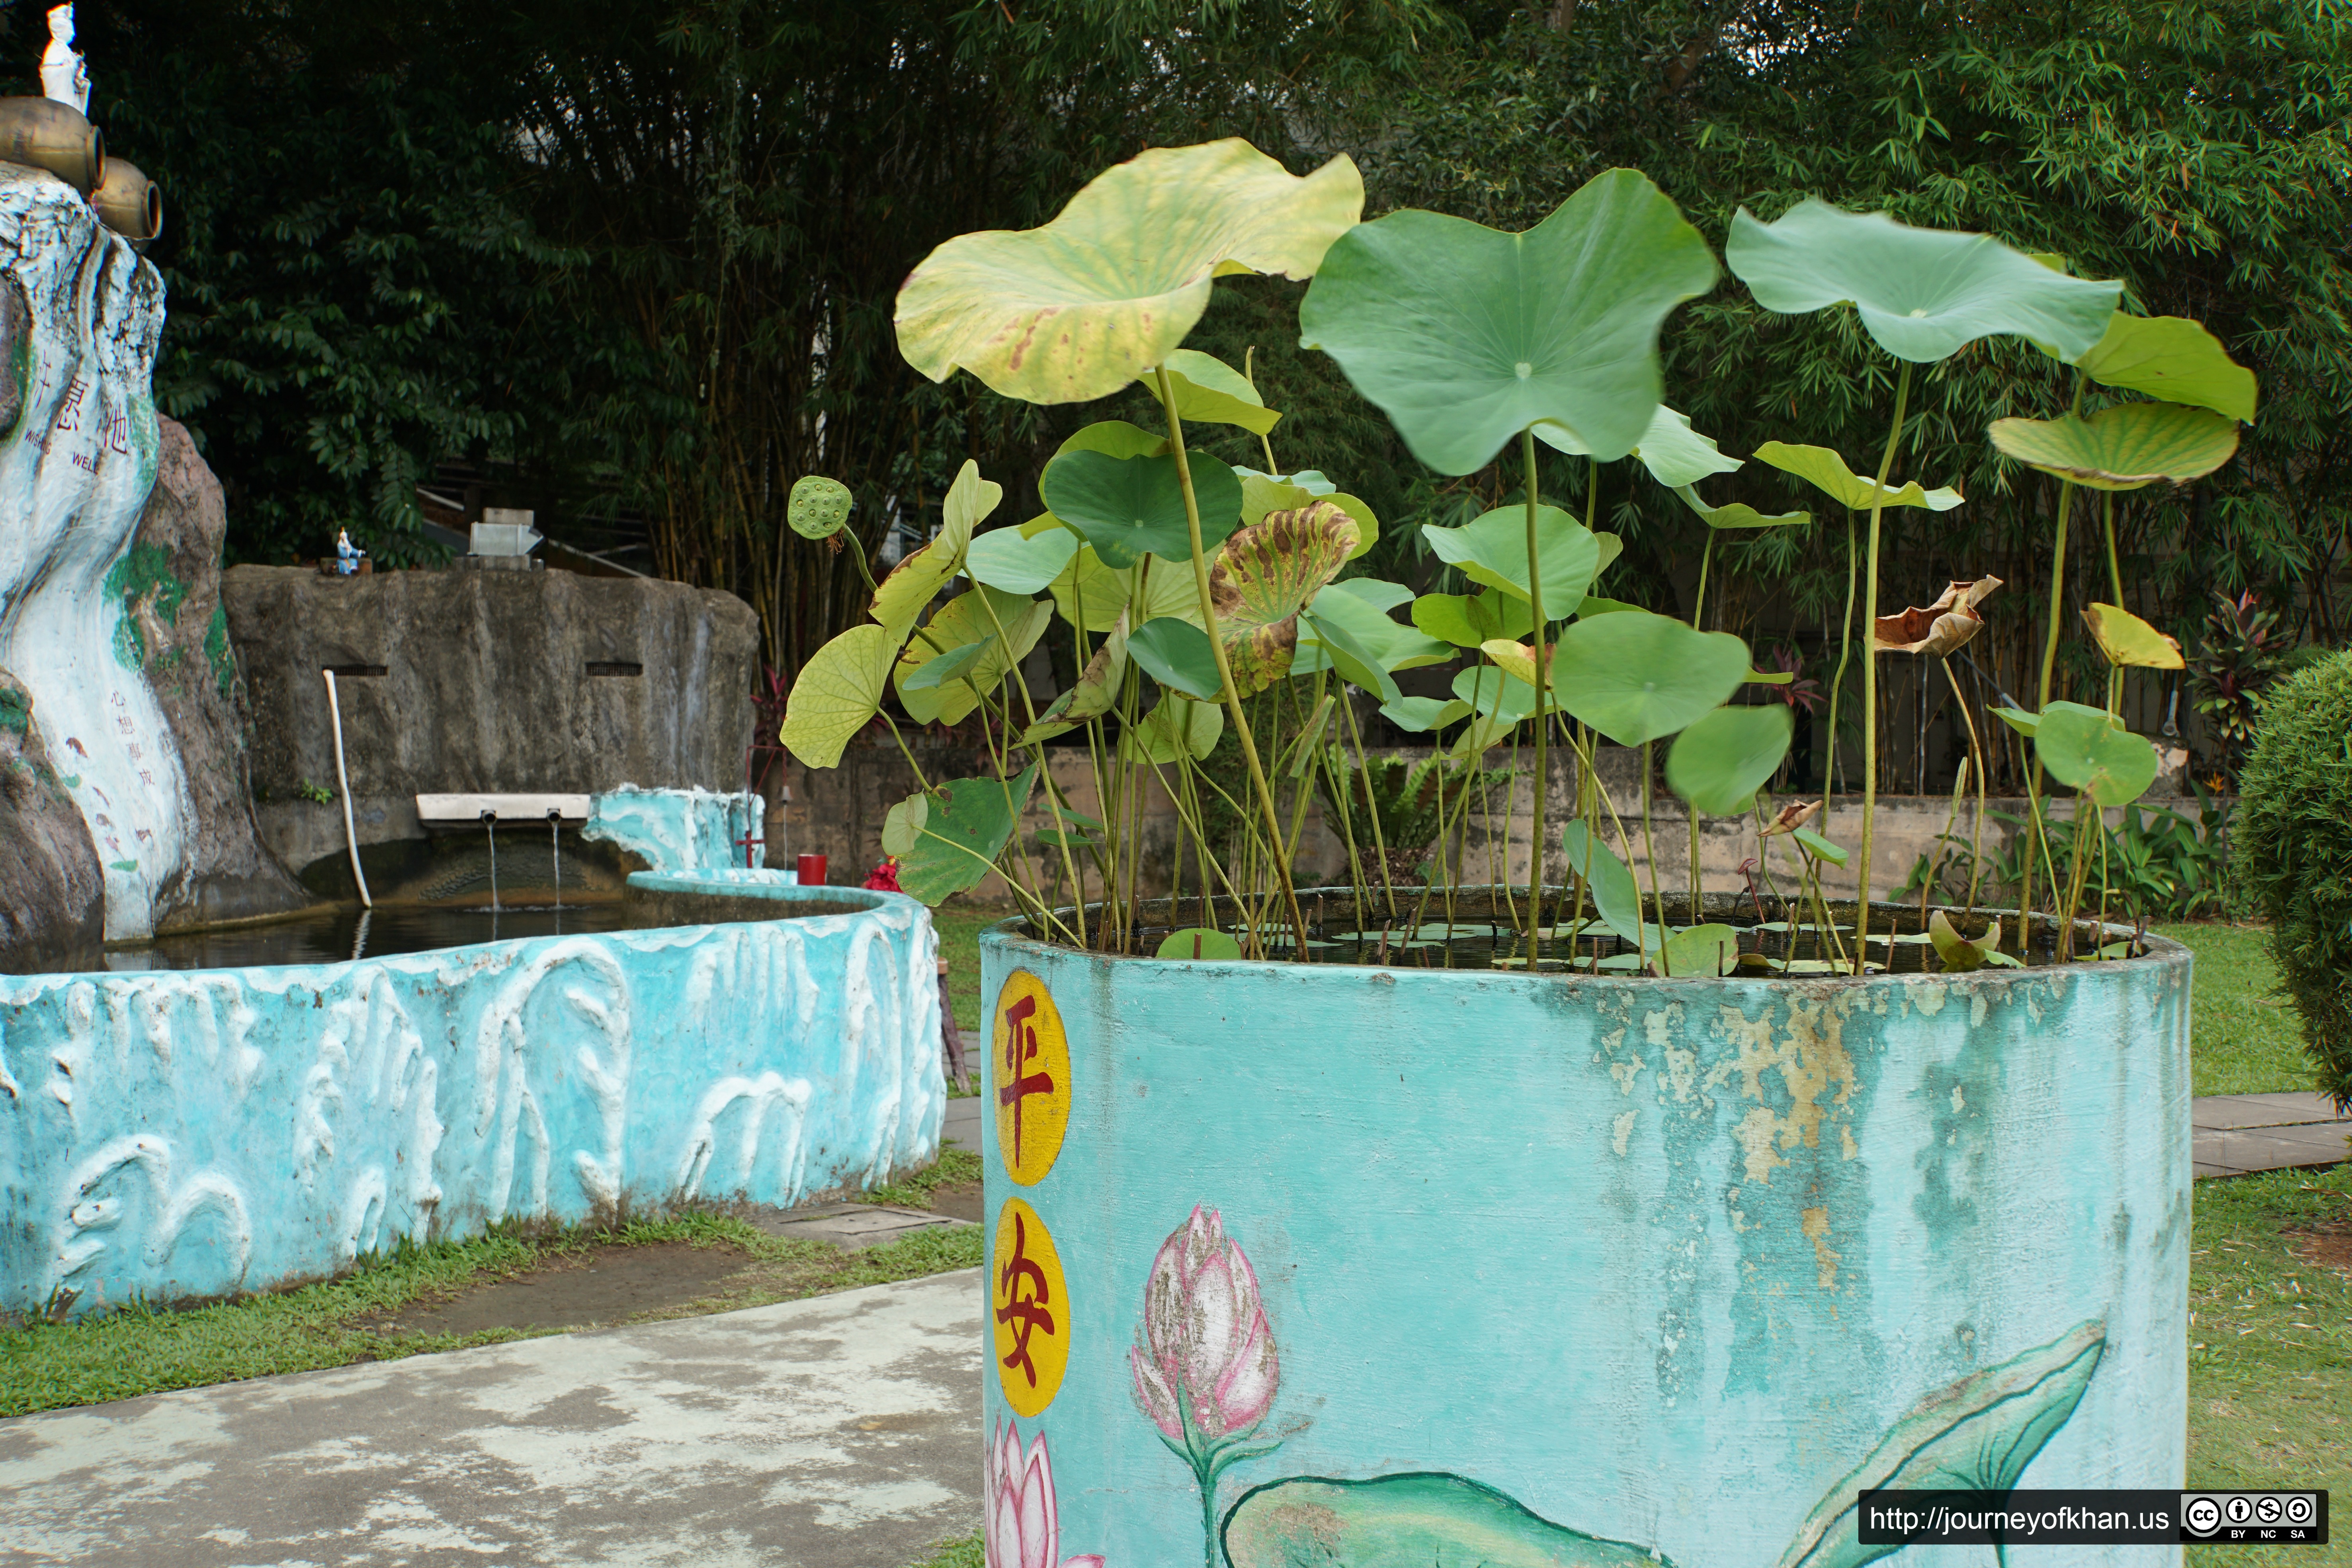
(65, 76)
(347, 556)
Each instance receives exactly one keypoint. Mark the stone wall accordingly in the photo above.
(467, 680)
(839, 813)
(52, 897)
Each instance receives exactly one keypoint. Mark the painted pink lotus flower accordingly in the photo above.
(1024, 1525)
(1205, 1351)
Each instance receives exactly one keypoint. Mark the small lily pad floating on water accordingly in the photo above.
(1204, 942)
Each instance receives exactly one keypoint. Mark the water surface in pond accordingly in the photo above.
(333, 936)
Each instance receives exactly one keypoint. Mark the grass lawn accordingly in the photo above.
(44, 1366)
(2246, 1039)
(959, 930)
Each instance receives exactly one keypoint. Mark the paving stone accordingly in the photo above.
(852, 1225)
(962, 1125)
(2217, 1112)
(841, 1432)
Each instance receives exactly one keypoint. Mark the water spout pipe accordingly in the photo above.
(344, 783)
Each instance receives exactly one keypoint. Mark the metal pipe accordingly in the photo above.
(42, 133)
(343, 783)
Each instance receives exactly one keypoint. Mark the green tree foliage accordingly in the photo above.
(2294, 848)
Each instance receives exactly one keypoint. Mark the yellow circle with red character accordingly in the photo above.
(1029, 1078)
(1029, 1308)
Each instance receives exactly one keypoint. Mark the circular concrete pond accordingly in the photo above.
(1363, 1265)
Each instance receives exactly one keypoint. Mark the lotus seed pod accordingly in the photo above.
(819, 506)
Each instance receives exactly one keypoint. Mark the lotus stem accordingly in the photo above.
(1975, 749)
(1543, 780)
(1650, 853)
(1845, 647)
(1217, 647)
(1870, 673)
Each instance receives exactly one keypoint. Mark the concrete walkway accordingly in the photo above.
(2237, 1134)
(840, 1432)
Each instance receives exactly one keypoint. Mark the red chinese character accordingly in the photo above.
(1019, 1046)
(117, 434)
(70, 417)
(1026, 1314)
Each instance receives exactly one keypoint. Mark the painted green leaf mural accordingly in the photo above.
(1827, 472)
(1721, 761)
(838, 690)
(1423, 1520)
(818, 507)
(1128, 507)
(2084, 751)
(1264, 576)
(1465, 335)
(1636, 677)
(1976, 1435)
(1208, 390)
(1675, 454)
(2173, 359)
(1923, 294)
(1079, 308)
(1492, 550)
(2122, 447)
(898, 601)
(966, 826)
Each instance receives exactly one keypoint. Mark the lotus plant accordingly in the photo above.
(1205, 1362)
(1022, 1527)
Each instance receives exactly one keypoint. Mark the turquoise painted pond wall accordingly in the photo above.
(175, 1133)
(1670, 1265)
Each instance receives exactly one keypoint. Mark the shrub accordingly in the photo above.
(2295, 851)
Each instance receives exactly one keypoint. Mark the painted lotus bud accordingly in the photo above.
(1205, 1351)
(1023, 1526)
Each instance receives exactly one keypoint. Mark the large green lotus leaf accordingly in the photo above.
(1198, 944)
(2122, 447)
(1355, 606)
(1421, 1521)
(1177, 724)
(1079, 308)
(1826, 472)
(1635, 675)
(898, 601)
(2084, 751)
(1616, 898)
(1208, 390)
(1176, 653)
(1721, 761)
(948, 666)
(1466, 336)
(836, 692)
(1708, 950)
(1675, 454)
(1355, 663)
(1378, 592)
(1466, 620)
(1020, 563)
(1976, 1435)
(818, 507)
(1128, 507)
(1492, 549)
(903, 824)
(2125, 639)
(1419, 714)
(1739, 514)
(2174, 359)
(1496, 694)
(1923, 293)
(1264, 576)
(964, 829)
(962, 623)
(1115, 438)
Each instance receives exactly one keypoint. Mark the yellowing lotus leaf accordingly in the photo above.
(2122, 447)
(838, 690)
(1086, 304)
(2174, 359)
(966, 621)
(1826, 472)
(2125, 639)
(898, 601)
